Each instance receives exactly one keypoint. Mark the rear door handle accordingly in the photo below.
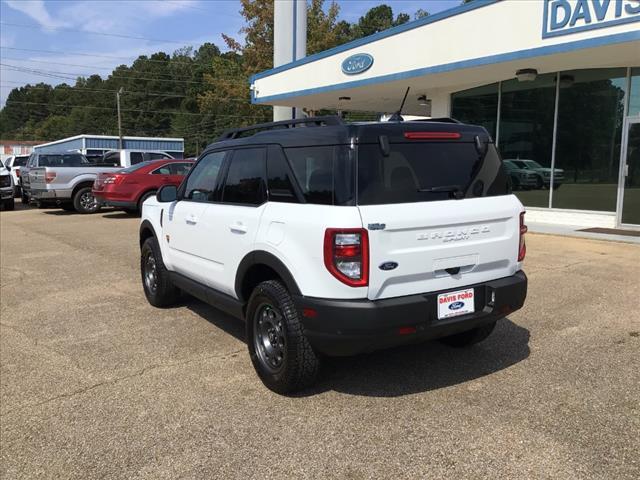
(191, 220)
(238, 227)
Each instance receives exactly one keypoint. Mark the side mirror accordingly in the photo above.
(167, 193)
(8, 168)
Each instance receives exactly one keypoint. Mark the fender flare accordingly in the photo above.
(260, 257)
(146, 226)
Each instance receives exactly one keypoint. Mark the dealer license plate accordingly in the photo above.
(452, 304)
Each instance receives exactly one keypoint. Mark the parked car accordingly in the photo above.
(6, 188)
(544, 173)
(522, 178)
(15, 164)
(127, 158)
(338, 239)
(64, 179)
(130, 187)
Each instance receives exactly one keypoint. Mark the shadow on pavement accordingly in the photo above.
(403, 370)
(119, 214)
(224, 322)
(58, 211)
(423, 367)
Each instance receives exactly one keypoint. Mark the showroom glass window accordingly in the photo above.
(634, 100)
(526, 136)
(590, 116)
(478, 106)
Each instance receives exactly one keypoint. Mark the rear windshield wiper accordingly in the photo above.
(457, 190)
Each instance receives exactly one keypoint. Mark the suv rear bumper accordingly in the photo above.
(348, 327)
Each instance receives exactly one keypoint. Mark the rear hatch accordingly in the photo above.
(439, 212)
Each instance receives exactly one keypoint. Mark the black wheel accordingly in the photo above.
(281, 354)
(556, 186)
(24, 198)
(515, 183)
(143, 198)
(470, 337)
(18, 192)
(539, 183)
(84, 201)
(158, 289)
(9, 204)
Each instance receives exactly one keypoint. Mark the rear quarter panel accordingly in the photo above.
(294, 233)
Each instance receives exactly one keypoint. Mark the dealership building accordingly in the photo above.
(100, 144)
(556, 82)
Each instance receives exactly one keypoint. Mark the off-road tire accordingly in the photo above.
(79, 202)
(165, 293)
(300, 364)
(152, 193)
(9, 204)
(470, 337)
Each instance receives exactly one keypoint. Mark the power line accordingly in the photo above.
(168, 112)
(119, 35)
(57, 74)
(82, 89)
(83, 66)
(113, 57)
(72, 89)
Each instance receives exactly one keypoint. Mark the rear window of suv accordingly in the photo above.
(428, 171)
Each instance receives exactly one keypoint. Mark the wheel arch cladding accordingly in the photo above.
(146, 231)
(259, 266)
(82, 184)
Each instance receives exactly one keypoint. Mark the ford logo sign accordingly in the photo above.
(358, 63)
(456, 305)
(388, 266)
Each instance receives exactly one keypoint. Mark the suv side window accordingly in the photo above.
(279, 178)
(112, 158)
(201, 183)
(136, 157)
(245, 179)
(158, 156)
(181, 168)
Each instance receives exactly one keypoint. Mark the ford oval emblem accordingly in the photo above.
(358, 63)
(456, 305)
(388, 266)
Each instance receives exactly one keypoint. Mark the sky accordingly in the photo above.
(58, 40)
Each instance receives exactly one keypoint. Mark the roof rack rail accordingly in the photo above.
(439, 119)
(329, 120)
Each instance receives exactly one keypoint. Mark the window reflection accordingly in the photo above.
(634, 100)
(478, 106)
(590, 116)
(526, 136)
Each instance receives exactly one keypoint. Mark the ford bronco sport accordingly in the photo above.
(332, 238)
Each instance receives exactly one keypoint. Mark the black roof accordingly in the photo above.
(333, 131)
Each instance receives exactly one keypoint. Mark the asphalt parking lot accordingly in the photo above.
(95, 383)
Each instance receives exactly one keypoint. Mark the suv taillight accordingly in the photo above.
(346, 255)
(522, 250)
(49, 177)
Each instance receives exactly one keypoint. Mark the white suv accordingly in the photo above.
(332, 238)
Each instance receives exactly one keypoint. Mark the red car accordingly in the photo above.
(130, 187)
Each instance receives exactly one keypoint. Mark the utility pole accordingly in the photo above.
(118, 93)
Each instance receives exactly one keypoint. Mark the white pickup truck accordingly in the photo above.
(65, 179)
